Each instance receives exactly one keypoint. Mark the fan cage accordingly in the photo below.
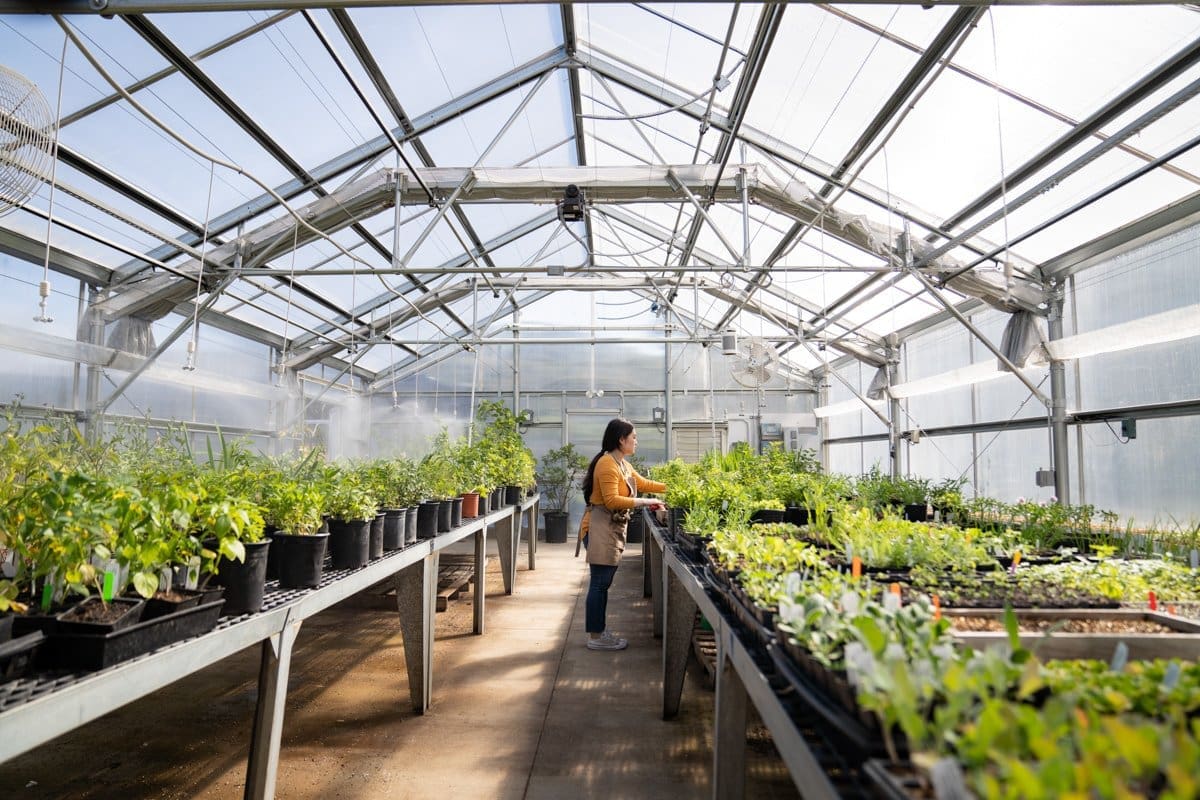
(26, 139)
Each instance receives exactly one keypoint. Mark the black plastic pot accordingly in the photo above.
(74, 620)
(350, 543)
(301, 560)
(456, 512)
(915, 512)
(245, 581)
(767, 515)
(497, 498)
(637, 527)
(6, 623)
(272, 554)
(556, 526)
(427, 519)
(512, 495)
(410, 525)
(393, 528)
(485, 505)
(796, 515)
(17, 656)
(375, 549)
(445, 512)
(158, 606)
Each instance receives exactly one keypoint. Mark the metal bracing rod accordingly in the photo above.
(536, 270)
(1176, 65)
(299, 416)
(1070, 121)
(1158, 111)
(570, 42)
(168, 71)
(702, 214)
(624, 112)
(1058, 408)
(1145, 169)
(882, 417)
(764, 35)
(708, 106)
(918, 80)
(442, 210)
(172, 337)
(368, 151)
(367, 59)
(958, 315)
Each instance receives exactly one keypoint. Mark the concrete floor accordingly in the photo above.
(524, 711)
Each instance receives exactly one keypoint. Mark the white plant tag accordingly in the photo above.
(792, 585)
(193, 573)
(948, 781)
(8, 563)
(891, 602)
(858, 662)
(850, 603)
(1120, 657)
(164, 579)
(1195, 558)
(1171, 679)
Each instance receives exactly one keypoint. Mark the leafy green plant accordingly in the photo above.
(561, 468)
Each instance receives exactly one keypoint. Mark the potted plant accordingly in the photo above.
(560, 468)
(294, 510)
(351, 507)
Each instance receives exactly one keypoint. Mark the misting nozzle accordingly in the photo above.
(44, 295)
(190, 365)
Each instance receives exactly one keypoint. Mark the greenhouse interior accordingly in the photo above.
(597, 399)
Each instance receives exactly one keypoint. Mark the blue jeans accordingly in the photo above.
(597, 596)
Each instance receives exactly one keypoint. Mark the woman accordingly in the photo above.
(611, 488)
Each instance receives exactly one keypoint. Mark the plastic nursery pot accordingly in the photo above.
(445, 516)
(272, 553)
(245, 581)
(427, 519)
(485, 505)
(375, 548)
(767, 515)
(636, 531)
(301, 560)
(556, 526)
(349, 543)
(512, 495)
(470, 508)
(393, 528)
(95, 616)
(456, 512)
(916, 512)
(410, 525)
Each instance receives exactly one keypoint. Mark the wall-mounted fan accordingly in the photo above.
(26, 139)
(754, 363)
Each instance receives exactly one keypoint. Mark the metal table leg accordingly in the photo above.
(656, 584)
(680, 615)
(416, 600)
(268, 715)
(531, 520)
(480, 578)
(729, 740)
(505, 534)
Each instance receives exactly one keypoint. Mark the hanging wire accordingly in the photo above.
(283, 355)
(190, 364)
(1008, 267)
(44, 287)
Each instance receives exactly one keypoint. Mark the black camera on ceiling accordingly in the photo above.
(570, 208)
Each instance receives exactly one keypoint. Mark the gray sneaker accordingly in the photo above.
(606, 641)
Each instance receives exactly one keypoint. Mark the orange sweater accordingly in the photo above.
(609, 488)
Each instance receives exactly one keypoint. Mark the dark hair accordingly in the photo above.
(617, 430)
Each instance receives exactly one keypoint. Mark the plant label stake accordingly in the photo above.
(948, 780)
(937, 608)
(165, 576)
(8, 563)
(1120, 657)
(1153, 598)
(1195, 558)
(110, 580)
(856, 567)
(1016, 560)
(47, 595)
(1171, 678)
(193, 573)
(891, 598)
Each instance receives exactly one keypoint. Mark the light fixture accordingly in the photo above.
(555, 270)
(570, 208)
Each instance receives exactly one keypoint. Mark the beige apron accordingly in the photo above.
(606, 535)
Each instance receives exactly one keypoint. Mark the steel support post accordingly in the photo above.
(268, 713)
(416, 600)
(667, 394)
(480, 589)
(680, 614)
(894, 410)
(1058, 406)
(729, 739)
(506, 543)
(531, 518)
(656, 584)
(647, 544)
(95, 318)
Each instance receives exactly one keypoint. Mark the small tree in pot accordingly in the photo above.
(560, 469)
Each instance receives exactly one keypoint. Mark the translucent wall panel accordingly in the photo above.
(941, 457)
(932, 353)
(1007, 462)
(1150, 279)
(1151, 478)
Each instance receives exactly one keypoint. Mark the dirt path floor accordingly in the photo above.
(524, 711)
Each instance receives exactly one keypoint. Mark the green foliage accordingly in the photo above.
(561, 468)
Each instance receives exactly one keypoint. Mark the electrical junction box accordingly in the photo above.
(1044, 477)
(1129, 428)
(770, 431)
(792, 441)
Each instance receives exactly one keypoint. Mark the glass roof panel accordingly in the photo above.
(421, 48)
